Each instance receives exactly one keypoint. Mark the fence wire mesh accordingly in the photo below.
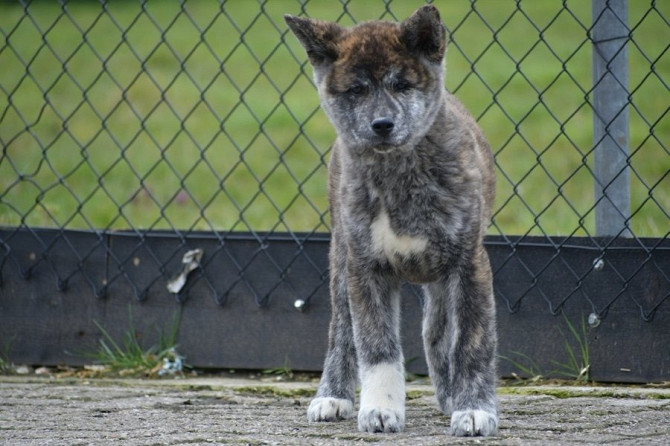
(183, 117)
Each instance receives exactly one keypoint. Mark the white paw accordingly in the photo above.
(329, 409)
(382, 399)
(379, 419)
(471, 423)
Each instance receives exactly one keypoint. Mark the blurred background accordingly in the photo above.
(203, 116)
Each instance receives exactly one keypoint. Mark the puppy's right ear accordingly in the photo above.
(318, 37)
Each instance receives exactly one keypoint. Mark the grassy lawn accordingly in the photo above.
(204, 117)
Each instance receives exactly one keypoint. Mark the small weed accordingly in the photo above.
(578, 361)
(129, 358)
(283, 373)
(525, 364)
(6, 364)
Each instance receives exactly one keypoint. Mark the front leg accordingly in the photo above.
(335, 397)
(460, 344)
(375, 310)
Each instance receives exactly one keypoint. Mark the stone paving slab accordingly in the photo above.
(237, 411)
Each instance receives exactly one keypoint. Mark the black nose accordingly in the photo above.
(382, 126)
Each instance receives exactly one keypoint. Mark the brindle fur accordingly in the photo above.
(411, 184)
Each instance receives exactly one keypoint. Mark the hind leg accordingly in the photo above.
(460, 344)
(334, 399)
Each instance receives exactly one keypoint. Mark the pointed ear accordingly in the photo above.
(318, 37)
(423, 32)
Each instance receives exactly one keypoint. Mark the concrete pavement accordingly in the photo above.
(243, 411)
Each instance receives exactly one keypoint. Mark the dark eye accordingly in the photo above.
(400, 85)
(357, 89)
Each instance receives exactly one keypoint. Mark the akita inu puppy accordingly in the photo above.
(411, 185)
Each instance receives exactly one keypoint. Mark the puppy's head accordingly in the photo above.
(380, 83)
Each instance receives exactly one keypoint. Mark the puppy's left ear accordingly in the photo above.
(424, 33)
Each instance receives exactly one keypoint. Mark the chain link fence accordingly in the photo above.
(188, 118)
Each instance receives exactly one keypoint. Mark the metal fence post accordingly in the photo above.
(609, 35)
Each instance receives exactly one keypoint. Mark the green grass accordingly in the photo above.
(6, 363)
(578, 363)
(129, 357)
(133, 118)
(283, 372)
(576, 366)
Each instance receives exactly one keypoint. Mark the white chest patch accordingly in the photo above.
(387, 242)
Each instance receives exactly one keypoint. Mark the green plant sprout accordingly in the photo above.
(578, 362)
(283, 372)
(129, 358)
(6, 364)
